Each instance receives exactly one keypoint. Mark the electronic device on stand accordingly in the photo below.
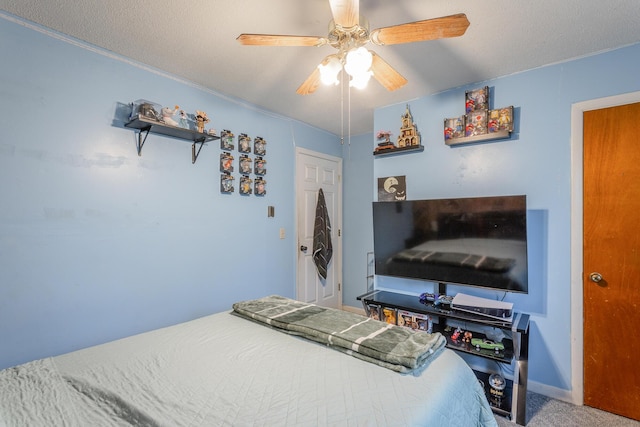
(478, 242)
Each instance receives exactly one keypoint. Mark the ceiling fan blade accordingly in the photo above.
(311, 84)
(385, 74)
(429, 29)
(346, 13)
(313, 81)
(280, 40)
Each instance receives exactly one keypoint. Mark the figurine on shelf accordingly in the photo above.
(167, 115)
(386, 144)
(201, 120)
(384, 135)
(183, 122)
(409, 135)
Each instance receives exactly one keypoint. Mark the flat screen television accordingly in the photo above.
(476, 241)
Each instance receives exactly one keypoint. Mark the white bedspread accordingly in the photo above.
(222, 370)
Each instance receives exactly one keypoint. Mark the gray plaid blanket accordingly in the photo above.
(394, 347)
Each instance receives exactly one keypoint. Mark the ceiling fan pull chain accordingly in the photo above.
(349, 108)
(342, 107)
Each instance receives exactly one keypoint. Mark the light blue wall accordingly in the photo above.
(357, 218)
(97, 243)
(536, 161)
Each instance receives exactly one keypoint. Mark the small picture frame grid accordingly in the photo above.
(247, 164)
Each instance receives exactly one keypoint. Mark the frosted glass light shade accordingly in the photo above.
(358, 61)
(329, 71)
(360, 81)
(358, 66)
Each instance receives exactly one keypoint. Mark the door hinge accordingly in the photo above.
(339, 286)
(339, 232)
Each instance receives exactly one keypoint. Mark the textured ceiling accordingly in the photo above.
(195, 40)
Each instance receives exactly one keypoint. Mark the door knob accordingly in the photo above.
(303, 248)
(595, 277)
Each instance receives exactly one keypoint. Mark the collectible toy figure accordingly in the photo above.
(201, 120)
(184, 120)
(167, 115)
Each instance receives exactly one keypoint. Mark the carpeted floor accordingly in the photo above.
(543, 411)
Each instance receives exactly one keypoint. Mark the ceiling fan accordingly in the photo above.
(348, 33)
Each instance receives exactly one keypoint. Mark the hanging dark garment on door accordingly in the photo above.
(322, 248)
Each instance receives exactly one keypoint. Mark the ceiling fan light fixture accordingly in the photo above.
(358, 61)
(329, 71)
(361, 80)
(358, 66)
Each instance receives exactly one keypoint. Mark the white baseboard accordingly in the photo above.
(553, 392)
(353, 309)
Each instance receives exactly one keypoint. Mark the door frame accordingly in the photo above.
(577, 308)
(337, 245)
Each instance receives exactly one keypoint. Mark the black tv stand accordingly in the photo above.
(516, 348)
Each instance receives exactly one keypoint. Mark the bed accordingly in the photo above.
(237, 369)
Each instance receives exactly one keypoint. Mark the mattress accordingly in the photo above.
(223, 370)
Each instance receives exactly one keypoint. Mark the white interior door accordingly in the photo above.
(314, 171)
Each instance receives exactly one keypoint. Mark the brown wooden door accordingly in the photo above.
(612, 250)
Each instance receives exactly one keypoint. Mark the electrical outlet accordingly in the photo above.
(282, 233)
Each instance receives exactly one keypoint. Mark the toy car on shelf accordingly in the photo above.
(479, 343)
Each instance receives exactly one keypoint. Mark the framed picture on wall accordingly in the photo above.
(392, 188)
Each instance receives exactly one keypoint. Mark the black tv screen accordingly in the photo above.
(476, 241)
